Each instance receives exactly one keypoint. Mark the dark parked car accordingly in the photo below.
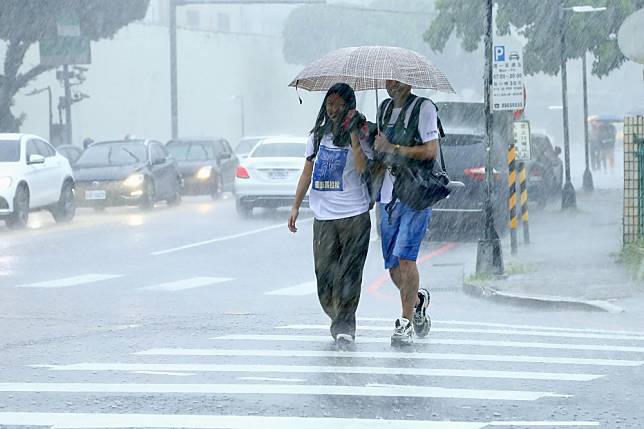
(544, 171)
(71, 152)
(127, 172)
(464, 148)
(207, 165)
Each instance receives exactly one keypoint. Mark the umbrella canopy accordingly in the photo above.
(368, 67)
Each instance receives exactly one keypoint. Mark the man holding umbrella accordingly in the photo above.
(409, 139)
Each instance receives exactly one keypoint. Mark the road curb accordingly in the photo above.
(542, 301)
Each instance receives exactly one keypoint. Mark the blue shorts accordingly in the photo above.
(402, 238)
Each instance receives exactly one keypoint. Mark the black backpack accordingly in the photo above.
(418, 183)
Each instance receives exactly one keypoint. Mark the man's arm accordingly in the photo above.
(426, 151)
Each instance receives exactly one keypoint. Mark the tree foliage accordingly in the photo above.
(24, 22)
(539, 22)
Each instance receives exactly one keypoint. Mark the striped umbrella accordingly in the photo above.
(368, 67)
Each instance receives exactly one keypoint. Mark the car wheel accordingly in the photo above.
(244, 210)
(217, 188)
(148, 198)
(175, 200)
(18, 219)
(65, 209)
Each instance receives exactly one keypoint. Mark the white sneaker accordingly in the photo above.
(344, 341)
(403, 332)
(421, 321)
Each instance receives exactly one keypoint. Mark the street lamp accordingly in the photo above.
(568, 197)
(51, 118)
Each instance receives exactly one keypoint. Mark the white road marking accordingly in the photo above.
(391, 355)
(329, 369)
(178, 374)
(195, 421)
(286, 380)
(229, 237)
(188, 283)
(482, 331)
(72, 281)
(434, 341)
(506, 325)
(278, 389)
(307, 288)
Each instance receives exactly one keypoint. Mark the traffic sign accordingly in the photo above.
(507, 78)
(521, 131)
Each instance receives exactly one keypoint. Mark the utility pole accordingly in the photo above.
(568, 197)
(489, 257)
(68, 106)
(588, 177)
(174, 113)
(174, 108)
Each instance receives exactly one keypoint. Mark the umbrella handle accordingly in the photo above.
(377, 106)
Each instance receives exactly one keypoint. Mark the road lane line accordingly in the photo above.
(481, 331)
(71, 281)
(217, 240)
(197, 421)
(388, 355)
(302, 289)
(285, 380)
(434, 341)
(328, 369)
(506, 325)
(177, 374)
(278, 389)
(188, 283)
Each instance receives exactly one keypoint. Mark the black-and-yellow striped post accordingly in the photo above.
(512, 197)
(524, 203)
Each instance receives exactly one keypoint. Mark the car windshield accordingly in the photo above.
(245, 145)
(276, 150)
(190, 151)
(9, 150)
(125, 153)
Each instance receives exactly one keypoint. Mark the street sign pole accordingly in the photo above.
(489, 257)
(568, 197)
(68, 106)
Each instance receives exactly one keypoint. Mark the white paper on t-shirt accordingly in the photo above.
(338, 201)
(428, 129)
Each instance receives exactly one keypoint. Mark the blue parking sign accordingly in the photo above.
(499, 53)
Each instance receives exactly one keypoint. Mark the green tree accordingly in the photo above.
(539, 23)
(310, 31)
(24, 22)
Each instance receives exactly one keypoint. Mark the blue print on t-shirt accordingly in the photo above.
(329, 168)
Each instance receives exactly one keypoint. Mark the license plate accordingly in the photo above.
(95, 195)
(278, 174)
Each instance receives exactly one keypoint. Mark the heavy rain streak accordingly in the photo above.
(314, 214)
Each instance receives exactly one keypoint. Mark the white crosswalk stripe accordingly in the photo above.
(485, 331)
(435, 341)
(187, 283)
(371, 370)
(453, 357)
(307, 288)
(71, 281)
(95, 420)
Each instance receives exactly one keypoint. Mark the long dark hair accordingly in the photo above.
(324, 124)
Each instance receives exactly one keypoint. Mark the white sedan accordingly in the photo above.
(268, 176)
(33, 176)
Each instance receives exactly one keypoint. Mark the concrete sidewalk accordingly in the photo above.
(571, 261)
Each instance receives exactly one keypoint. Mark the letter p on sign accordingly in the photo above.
(499, 53)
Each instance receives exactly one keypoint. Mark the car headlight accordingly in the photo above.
(204, 172)
(5, 182)
(134, 181)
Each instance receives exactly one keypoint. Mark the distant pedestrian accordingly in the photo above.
(594, 143)
(409, 141)
(336, 158)
(87, 142)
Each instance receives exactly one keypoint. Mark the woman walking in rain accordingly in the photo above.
(336, 158)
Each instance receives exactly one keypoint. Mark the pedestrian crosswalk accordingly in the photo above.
(452, 371)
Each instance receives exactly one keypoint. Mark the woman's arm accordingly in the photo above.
(359, 157)
(302, 186)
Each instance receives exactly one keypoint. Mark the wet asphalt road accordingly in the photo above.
(193, 317)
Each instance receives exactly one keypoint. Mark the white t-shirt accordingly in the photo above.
(337, 189)
(428, 129)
